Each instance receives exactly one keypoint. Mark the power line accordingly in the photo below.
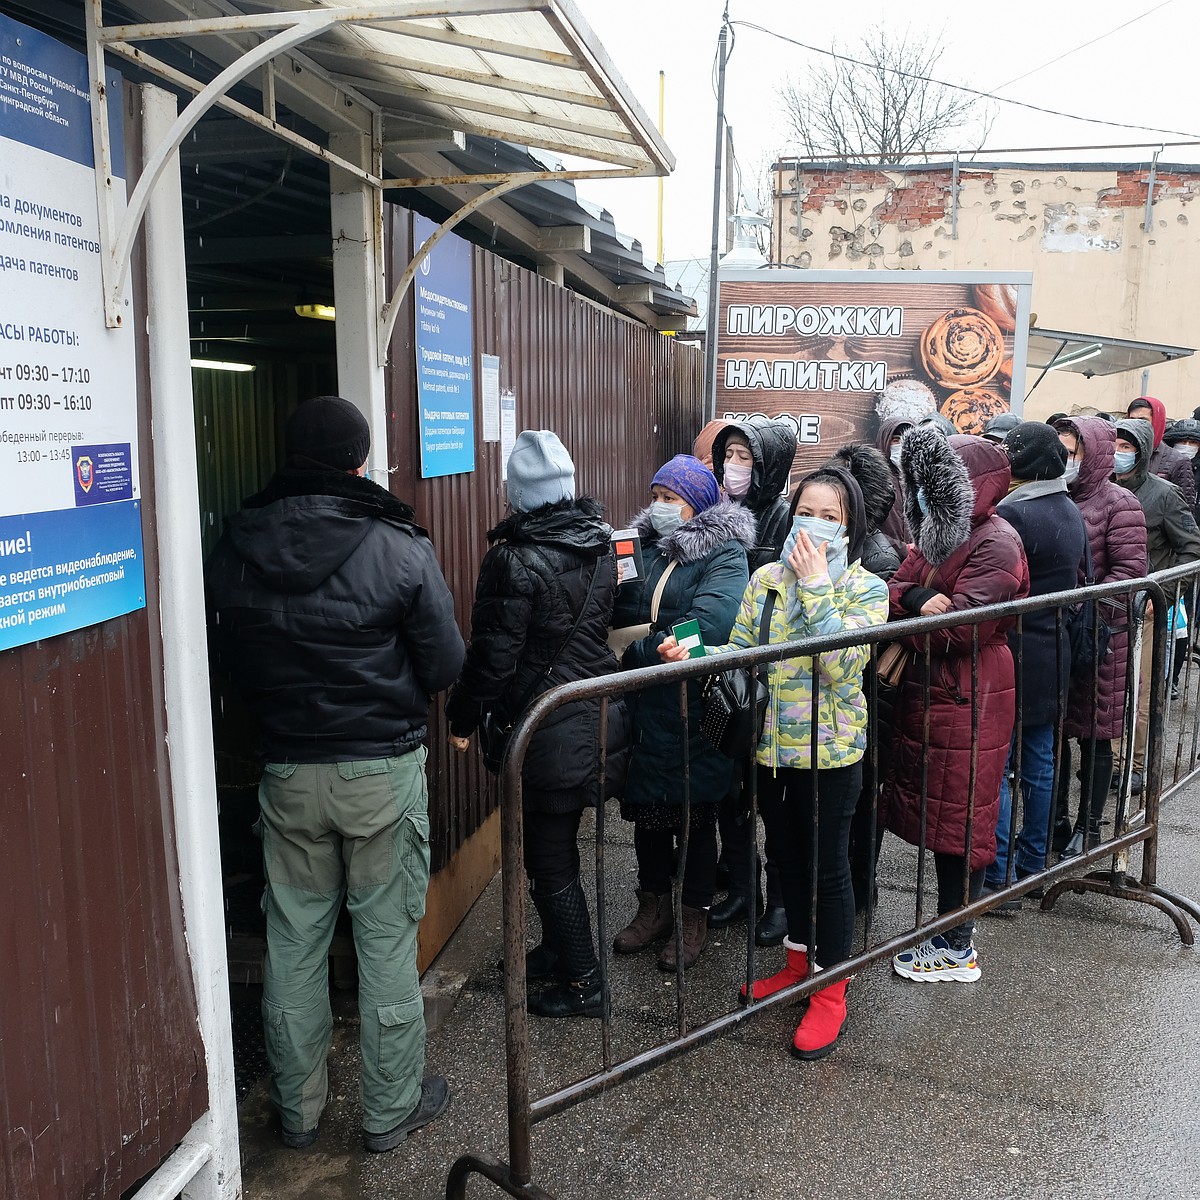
(1099, 38)
(958, 87)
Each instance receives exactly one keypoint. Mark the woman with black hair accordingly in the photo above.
(816, 586)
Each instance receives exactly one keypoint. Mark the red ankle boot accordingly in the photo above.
(818, 1033)
(794, 970)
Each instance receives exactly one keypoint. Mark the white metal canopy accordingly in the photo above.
(525, 71)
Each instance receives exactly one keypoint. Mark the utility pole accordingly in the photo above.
(662, 107)
(710, 331)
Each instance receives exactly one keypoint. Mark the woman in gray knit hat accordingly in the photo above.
(543, 606)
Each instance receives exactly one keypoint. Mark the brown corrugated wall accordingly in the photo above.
(102, 1069)
(622, 397)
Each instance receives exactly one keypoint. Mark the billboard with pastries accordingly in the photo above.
(839, 353)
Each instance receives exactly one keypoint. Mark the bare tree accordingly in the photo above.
(881, 106)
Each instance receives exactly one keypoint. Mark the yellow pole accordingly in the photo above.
(662, 86)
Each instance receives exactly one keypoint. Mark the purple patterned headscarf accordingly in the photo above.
(690, 479)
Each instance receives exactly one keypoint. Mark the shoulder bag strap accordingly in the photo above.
(553, 582)
(764, 626)
(658, 592)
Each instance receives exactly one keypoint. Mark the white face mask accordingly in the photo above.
(737, 479)
(1187, 449)
(1072, 471)
(894, 455)
(665, 518)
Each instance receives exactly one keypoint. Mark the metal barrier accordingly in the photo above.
(1134, 598)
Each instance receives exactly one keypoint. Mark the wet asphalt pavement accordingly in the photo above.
(1070, 1069)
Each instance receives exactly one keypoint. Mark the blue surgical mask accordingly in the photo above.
(1072, 472)
(665, 518)
(922, 502)
(832, 533)
(1123, 461)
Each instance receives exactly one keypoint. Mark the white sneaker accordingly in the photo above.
(935, 961)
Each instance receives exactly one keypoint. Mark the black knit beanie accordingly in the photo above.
(1035, 452)
(330, 432)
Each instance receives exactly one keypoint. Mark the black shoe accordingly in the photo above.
(298, 1141)
(1006, 908)
(772, 927)
(435, 1099)
(733, 910)
(1135, 783)
(582, 999)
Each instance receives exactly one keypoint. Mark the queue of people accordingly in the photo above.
(325, 567)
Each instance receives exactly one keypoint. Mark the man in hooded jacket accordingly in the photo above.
(1172, 538)
(330, 612)
(1166, 461)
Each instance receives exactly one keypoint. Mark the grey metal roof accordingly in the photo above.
(1089, 354)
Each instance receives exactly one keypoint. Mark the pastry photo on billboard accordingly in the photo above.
(837, 353)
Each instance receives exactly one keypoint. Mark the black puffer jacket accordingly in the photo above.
(1050, 528)
(532, 583)
(773, 448)
(330, 612)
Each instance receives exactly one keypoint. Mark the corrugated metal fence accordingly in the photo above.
(622, 397)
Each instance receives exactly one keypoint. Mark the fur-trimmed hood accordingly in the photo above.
(872, 472)
(572, 524)
(699, 537)
(929, 461)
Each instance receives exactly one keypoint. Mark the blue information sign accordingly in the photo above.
(70, 498)
(445, 362)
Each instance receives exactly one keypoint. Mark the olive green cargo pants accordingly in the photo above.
(358, 830)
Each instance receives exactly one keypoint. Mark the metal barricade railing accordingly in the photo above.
(1167, 719)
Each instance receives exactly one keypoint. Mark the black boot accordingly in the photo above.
(1096, 775)
(733, 910)
(541, 963)
(772, 927)
(567, 927)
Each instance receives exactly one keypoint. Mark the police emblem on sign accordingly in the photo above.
(83, 471)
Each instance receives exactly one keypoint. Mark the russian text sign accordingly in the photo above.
(70, 501)
(445, 363)
(837, 354)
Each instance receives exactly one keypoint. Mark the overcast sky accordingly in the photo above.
(1143, 73)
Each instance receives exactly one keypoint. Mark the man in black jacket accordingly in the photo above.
(330, 612)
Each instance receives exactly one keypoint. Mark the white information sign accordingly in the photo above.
(508, 429)
(70, 497)
(489, 387)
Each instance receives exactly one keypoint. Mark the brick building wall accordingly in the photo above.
(1077, 227)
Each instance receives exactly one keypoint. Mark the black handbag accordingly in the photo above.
(1087, 631)
(495, 736)
(735, 702)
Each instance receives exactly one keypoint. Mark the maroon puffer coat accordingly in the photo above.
(988, 568)
(1116, 528)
